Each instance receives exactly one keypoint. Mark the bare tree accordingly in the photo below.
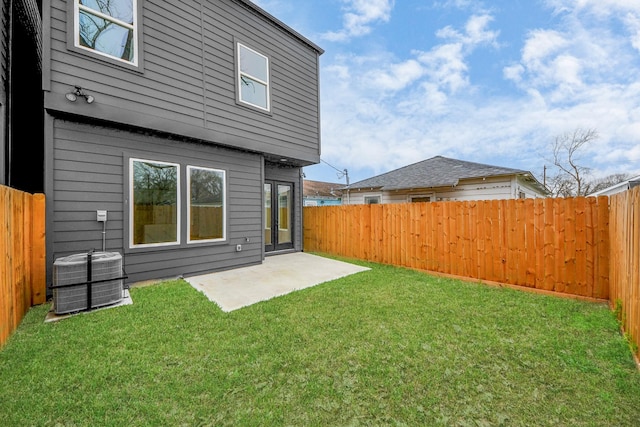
(602, 183)
(570, 178)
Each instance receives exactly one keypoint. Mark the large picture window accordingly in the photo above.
(108, 28)
(253, 78)
(206, 204)
(155, 206)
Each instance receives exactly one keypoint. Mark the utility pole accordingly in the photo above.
(341, 173)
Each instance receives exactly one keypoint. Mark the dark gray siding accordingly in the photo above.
(90, 169)
(187, 83)
(4, 76)
(276, 172)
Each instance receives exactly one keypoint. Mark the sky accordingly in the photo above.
(492, 82)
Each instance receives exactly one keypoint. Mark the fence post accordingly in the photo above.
(38, 250)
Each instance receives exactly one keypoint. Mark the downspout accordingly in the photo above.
(300, 208)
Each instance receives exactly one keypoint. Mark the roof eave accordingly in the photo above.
(278, 23)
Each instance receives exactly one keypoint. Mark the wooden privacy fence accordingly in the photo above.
(624, 235)
(22, 256)
(559, 245)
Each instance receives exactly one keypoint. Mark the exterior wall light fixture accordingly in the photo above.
(73, 96)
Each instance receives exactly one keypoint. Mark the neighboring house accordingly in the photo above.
(318, 193)
(618, 188)
(187, 122)
(441, 178)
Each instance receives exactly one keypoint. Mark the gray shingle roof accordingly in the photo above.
(434, 172)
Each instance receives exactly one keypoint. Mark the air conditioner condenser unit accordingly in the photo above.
(88, 280)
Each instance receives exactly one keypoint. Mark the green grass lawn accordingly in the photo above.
(385, 347)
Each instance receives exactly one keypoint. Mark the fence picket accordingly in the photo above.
(549, 244)
(22, 256)
(584, 246)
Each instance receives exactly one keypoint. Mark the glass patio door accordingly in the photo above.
(278, 216)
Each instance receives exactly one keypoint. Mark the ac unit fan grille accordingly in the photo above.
(73, 270)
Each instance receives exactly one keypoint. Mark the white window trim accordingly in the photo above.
(76, 30)
(240, 74)
(224, 205)
(132, 204)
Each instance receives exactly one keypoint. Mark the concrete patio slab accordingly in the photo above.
(277, 275)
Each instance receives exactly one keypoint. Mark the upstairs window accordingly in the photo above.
(108, 28)
(253, 78)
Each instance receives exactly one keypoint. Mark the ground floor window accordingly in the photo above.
(421, 198)
(206, 204)
(156, 190)
(155, 203)
(371, 200)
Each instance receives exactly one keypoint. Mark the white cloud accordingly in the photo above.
(381, 112)
(359, 16)
(542, 43)
(598, 8)
(396, 77)
(444, 67)
(474, 6)
(632, 22)
(476, 32)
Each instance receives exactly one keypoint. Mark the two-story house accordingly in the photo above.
(186, 123)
